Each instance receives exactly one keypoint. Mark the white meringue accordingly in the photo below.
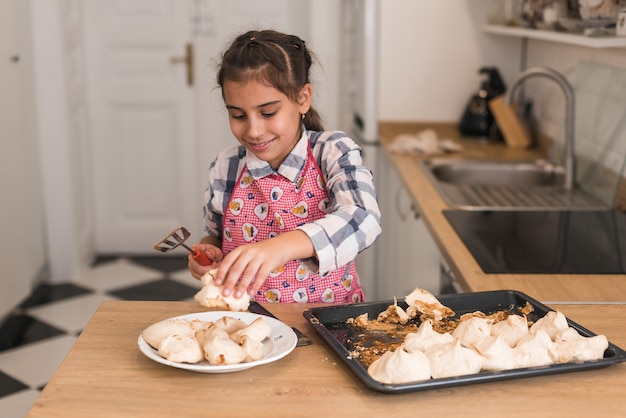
(219, 349)
(552, 323)
(181, 349)
(425, 337)
(472, 330)
(155, 333)
(536, 350)
(512, 329)
(400, 366)
(496, 354)
(253, 349)
(257, 330)
(452, 359)
(230, 324)
(211, 295)
(422, 301)
(572, 346)
(394, 314)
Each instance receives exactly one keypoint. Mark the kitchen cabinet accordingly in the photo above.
(409, 257)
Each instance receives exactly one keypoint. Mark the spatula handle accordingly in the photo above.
(201, 258)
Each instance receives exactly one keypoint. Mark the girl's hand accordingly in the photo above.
(250, 265)
(212, 252)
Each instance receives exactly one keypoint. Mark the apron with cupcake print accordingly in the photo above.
(267, 207)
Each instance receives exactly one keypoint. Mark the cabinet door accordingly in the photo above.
(409, 257)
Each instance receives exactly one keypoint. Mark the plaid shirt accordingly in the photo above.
(354, 223)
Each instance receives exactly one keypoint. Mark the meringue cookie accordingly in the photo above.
(551, 323)
(155, 333)
(512, 329)
(400, 366)
(211, 295)
(452, 359)
(423, 302)
(181, 349)
(536, 350)
(572, 346)
(496, 354)
(425, 337)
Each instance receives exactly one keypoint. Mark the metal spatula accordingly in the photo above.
(177, 238)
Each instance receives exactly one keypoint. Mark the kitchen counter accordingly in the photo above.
(105, 375)
(468, 274)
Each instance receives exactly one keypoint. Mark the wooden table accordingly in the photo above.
(105, 375)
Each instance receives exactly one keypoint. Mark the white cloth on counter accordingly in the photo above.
(425, 142)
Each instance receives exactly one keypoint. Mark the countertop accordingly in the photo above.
(430, 204)
(105, 375)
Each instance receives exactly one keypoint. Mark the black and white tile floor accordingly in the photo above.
(40, 331)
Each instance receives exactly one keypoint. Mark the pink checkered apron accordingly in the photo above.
(264, 208)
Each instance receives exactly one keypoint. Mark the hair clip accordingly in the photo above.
(252, 38)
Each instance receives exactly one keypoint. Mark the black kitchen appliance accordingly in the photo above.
(544, 242)
(477, 119)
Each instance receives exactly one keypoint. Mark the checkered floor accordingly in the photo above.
(37, 335)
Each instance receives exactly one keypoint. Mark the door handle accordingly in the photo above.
(186, 59)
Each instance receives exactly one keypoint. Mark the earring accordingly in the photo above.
(303, 115)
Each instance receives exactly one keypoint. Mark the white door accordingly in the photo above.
(150, 155)
(142, 122)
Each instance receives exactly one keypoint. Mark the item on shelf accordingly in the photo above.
(620, 27)
(513, 13)
(570, 25)
(599, 16)
(551, 13)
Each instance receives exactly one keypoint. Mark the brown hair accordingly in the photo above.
(275, 59)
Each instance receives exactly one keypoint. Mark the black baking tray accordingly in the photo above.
(330, 323)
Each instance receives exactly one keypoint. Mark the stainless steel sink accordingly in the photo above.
(497, 185)
(492, 173)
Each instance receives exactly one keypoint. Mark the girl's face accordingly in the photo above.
(264, 120)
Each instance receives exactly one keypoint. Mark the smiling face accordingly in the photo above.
(264, 120)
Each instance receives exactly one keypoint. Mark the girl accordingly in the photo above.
(288, 209)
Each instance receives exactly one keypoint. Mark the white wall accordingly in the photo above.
(22, 255)
(431, 52)
(62, 134)
(562, 58)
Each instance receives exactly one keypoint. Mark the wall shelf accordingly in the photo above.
(559, 37)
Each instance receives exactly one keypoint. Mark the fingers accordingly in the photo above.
(237, 271)
(244, 269)
(215, 255)
(212, 252)
(198, 270)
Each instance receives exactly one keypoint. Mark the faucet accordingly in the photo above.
(569, 158)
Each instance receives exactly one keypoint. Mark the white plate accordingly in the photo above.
(281, 342)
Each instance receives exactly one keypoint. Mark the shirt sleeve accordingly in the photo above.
(223, 173)
(354, 222)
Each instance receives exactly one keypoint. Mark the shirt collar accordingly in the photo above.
(290, 168)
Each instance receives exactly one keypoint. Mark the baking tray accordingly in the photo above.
(330, 323)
